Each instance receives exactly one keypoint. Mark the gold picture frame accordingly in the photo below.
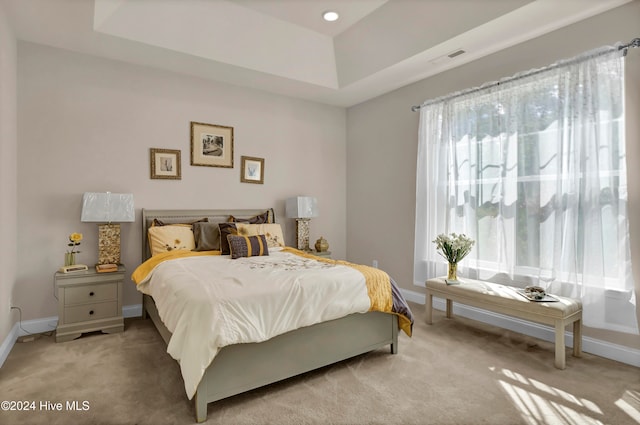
(252, 170)
(165, 164)
(211, 145)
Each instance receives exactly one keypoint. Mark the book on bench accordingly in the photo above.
(546, 299)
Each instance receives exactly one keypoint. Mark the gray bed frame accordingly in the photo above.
(242, 367)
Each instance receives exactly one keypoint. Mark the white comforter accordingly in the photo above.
(211, 302)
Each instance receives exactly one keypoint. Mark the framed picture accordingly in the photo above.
(165, 164)
(211, 145)
(252, 170)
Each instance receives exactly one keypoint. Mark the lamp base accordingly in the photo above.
(302, 232)
(109, 243)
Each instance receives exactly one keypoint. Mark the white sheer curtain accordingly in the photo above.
(534, 169)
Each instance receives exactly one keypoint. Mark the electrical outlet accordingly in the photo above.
(375, 263)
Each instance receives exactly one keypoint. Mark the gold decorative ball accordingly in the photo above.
(322, 245)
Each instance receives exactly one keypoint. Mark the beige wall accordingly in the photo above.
(86, 124)
(382, 138)
(8, 173)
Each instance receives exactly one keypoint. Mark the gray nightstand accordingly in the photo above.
(326, 254)
(89, 301)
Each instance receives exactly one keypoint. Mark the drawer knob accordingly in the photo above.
(91, 294)
(90, 312)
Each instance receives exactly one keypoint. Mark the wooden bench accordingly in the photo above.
(504, 299)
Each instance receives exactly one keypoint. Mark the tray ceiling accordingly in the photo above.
(284, 46)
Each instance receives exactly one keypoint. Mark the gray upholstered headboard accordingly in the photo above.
(188, 216)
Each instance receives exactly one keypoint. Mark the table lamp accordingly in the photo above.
(302, 208)
(110, 209)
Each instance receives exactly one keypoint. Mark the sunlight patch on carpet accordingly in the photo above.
(539, 403)
(629, 403)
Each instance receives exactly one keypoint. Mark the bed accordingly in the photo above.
(241, 367)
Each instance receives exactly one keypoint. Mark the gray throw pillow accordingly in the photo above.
(207, 236)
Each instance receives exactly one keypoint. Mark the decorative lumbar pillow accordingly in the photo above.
(265, 217)
(247, 246)
(207, 236)
(169, 238)
(272, 232)
(226, 229)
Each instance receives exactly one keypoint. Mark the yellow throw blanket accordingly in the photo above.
(378, 286)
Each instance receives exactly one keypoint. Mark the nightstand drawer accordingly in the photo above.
(86, 312)
(89, 301)
(90, 293)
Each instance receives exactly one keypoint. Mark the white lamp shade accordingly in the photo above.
(107, 207)
(302, 207)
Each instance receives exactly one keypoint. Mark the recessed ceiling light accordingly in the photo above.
(330, 16)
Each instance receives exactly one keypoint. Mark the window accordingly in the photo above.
(534, 169)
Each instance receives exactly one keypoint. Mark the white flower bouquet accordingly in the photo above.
(453, 247)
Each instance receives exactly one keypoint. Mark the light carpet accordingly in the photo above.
(456, 371)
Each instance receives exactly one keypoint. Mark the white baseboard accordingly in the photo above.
(47, 324)
(8, 344)
(132, 310)
(598, 347)
(413, 296)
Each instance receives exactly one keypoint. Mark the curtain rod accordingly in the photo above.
(624, 47)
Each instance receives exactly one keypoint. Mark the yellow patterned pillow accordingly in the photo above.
(170, 237)
(272, 231)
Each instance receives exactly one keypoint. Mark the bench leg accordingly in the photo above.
(560, 352)
(429, 308)
(449, 308)
(577, 338)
